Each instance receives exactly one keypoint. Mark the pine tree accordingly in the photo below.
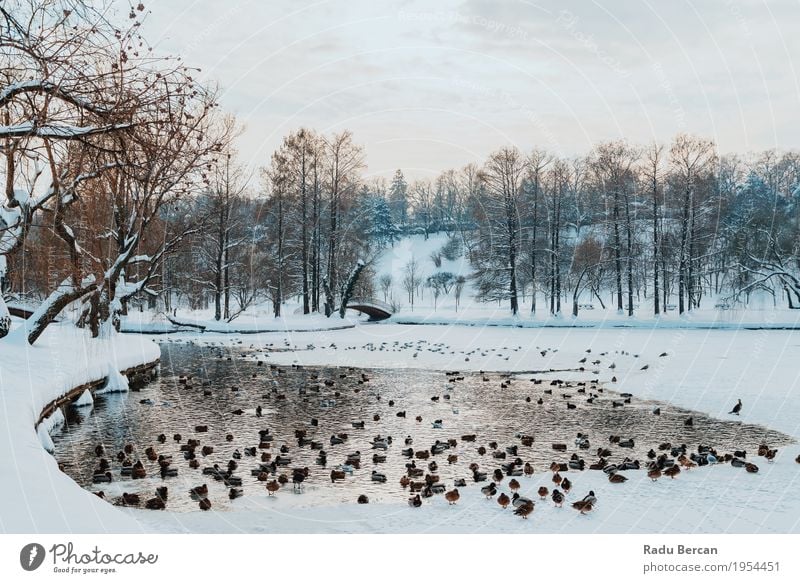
(398, 198)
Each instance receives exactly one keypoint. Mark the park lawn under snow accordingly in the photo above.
(704, 370)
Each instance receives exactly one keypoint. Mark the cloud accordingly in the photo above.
(457, 79)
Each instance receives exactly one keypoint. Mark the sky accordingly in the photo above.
(431, 85)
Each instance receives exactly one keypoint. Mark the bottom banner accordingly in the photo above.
(355, 558)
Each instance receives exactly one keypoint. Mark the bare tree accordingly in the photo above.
(692, 159)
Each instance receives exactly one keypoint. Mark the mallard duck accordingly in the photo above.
(490, 490)
(528, 469)
(558, 498)
(672, 471)
(199, 491)
(503, 500)
(452, 496)
(557, 479)
(415, 501)
(130, 499)
(616, 478)
(452, 458)
(736, 408)
(498, 476)
(363, 499)
(137, 471)
(751, 468)
(273, 487)
(155, 504)
(205, 504)
(583, 506)
(235, 493)
(524, 510)
(543, 492)
(378, 477)
(654, 473)
(514, 485)
(337, 475)
(566, 485)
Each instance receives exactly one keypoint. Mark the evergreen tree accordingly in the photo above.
(398, 198)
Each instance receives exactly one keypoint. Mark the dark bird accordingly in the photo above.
(543, 492)
(524, 510)
(452, 496)
(558, 498)
(689, 422)
(736, 408)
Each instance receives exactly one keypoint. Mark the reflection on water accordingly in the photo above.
(224, 384)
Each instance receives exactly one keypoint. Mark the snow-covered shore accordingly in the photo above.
(35, 496)
(704, 370)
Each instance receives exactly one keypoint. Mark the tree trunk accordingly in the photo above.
(350, 286)
(656, 304)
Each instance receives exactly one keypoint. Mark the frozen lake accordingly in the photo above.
(227, 384)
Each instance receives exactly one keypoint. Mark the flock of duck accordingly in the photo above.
(499, 477)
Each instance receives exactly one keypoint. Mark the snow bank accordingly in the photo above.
(248, 323)
(85, 400)
(35, 496)
(116, 382)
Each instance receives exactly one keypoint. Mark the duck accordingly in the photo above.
(514, 485)
(155, 504)
(528, 469)
(672, 471)
(654, 473)
(130, 499)
(452, 496)
(557, 479)
(558, 498)
(503, 500)
(273, 487)
(199, 491)
(751, 468)
(363, 499)
(517, 500)
(524, 510)
(583, 506)
(543, 492)
(378, 477)
(452, 458)
(405, 481)
(616, 478)
(566, 485)
(235, 493)
(736, 408)
(337, 475)
(497, 475)
(205, 504)
(490, 490)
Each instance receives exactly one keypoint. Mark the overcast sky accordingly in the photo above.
(429, 85)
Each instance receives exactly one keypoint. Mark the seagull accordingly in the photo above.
(736, 408)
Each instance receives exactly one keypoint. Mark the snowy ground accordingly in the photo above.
(34, 495)
(259, 319)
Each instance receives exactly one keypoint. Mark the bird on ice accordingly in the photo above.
(736, 408)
